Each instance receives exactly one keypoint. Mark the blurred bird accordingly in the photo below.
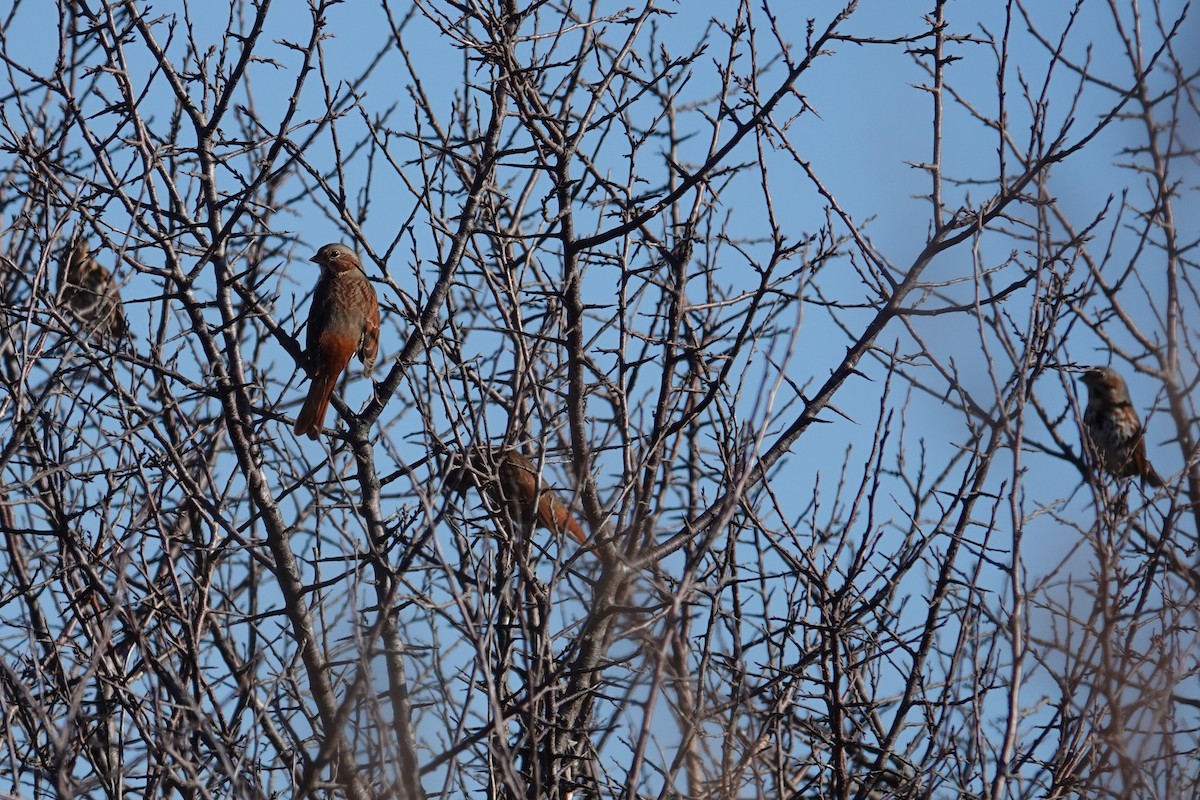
(1112, 429)
(91, 294)
(511, 480)
(343, 320)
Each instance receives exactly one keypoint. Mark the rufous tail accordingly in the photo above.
(554, 515)
(1151, 477)
(312, 414)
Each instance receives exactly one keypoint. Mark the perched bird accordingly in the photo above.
(1111, 428)
(512, 482)
(88, 290)
(344, 319)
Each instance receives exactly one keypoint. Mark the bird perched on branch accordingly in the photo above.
(343, 320)
(1112, 432)
(91, 294)
(513, 483)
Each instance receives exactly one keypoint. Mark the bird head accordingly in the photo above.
(336, 258)
(1105, 383)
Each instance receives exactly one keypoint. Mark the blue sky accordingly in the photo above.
(869, 123)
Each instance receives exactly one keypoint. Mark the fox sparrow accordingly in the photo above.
(344, 319)
(512, 482)
(1111, 428)
(89, 291)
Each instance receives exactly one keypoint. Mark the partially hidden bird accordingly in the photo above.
(90, 293)
(513, 483)
(1112, 430)
(343, 320)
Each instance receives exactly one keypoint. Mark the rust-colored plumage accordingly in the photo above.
(1112, 431)
(344, 320)
(90, 293)
(512, 482)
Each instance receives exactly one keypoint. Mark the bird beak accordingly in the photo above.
(315, 259)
